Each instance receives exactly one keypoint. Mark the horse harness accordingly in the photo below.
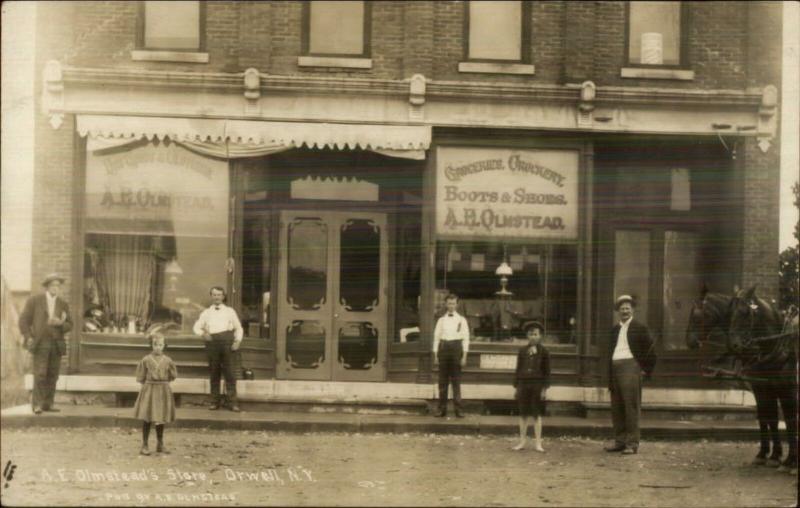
(769, 350)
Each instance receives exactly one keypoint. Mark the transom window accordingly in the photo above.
(171, 25)
(497, 31)
(655, 32)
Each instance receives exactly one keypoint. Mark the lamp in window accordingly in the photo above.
(173, 270)
(504, 271)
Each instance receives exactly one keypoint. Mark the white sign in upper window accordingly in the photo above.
(504, 193)
(337, 28)
(497, 31)
(654, 33)
(171, 25)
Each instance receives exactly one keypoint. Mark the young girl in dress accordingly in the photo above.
(155, 403)
(531, 381)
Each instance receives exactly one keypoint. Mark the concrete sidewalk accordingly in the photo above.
(21, 417)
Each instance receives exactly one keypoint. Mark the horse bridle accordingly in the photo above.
(752, 309)
(706, 332)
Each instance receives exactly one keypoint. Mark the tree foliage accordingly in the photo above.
(789, 263)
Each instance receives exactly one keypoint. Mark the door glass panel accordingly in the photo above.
(358, 345)
(305, 344)
(360, 265)
(632, 268)
(308, 263)
(680, 285)
(255, 273)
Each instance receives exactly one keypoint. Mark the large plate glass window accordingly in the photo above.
(681, 281)
(541, 286)
(156, 236)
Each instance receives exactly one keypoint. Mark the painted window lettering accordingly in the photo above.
(453, 194)
(528, 198)
(490, 220)
(147, 199)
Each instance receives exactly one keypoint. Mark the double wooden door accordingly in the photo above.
(332, 289)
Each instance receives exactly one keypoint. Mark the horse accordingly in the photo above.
(707, 331)
(708, 318)
(757, 336)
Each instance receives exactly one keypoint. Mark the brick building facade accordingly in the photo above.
(637, 128)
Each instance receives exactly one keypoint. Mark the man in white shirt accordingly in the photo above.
(220, 327)
(631, 356)
(450, 348)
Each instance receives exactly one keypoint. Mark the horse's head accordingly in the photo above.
(707, 318)
(750, 316)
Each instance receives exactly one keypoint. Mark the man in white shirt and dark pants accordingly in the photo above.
(631, 356)
(450, 348)
(220, 327)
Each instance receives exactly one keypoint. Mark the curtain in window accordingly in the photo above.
(125, 275)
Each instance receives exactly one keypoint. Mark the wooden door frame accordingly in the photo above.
(282, 369)
(339, 373)
(606, 255)
(331, 372)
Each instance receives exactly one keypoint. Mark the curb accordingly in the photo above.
(587, 428)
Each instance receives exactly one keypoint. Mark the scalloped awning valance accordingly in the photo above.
(233, 139)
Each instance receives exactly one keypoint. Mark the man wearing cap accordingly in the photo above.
(43, 323)
(631, 356)
(220, 327)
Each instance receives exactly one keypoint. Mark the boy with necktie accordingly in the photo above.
(450, 348)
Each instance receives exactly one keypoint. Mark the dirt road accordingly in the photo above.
(86, 466)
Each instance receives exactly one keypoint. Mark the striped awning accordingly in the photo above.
(244, 138)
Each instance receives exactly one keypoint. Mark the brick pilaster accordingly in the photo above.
(418, 39)
(760, 181)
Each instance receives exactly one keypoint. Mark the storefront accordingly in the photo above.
(338, 243)
(319, 248)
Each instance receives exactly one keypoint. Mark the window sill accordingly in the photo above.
(644, 73)
(496, 68)
(146, 55)
(334, 61)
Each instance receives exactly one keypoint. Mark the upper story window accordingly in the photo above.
(497, 31)
(336, 28)
(656, 32)
(171, 26)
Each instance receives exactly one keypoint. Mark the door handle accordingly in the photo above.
(336, 316)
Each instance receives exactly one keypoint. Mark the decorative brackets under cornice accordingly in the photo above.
(586, 104)
(53, 93)
(252, 91)
(417, 100)
(416, 96)
(767, 117)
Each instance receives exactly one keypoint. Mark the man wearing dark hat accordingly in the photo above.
(631, 355)
(43, 323)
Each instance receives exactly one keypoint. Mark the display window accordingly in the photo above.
(502, 288)
(156, 237)
(507, 231)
